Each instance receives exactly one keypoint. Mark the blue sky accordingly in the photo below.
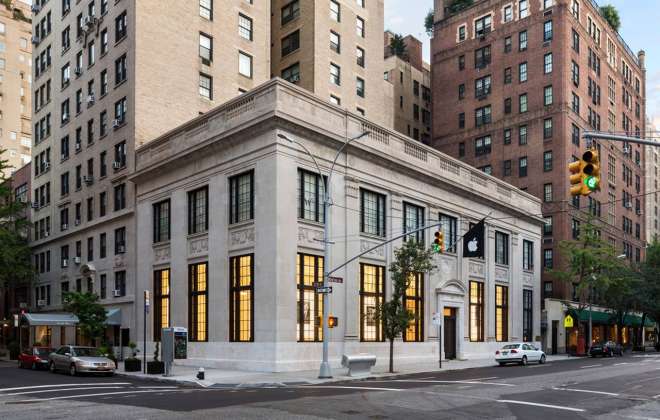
(640, 21)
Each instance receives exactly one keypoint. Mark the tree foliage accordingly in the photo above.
(611, 15)
(650, 282)
(398, 46)
(15, 255)
(428, 23)
(91, 314)
(411, 258)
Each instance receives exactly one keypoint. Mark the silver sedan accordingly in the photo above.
(77, 359)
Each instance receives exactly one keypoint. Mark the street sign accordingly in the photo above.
(335, 279)
(568, 321)
(322, 290)
(437, 319)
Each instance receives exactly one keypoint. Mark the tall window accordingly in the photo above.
(206, 86)
(198, 294)
(245, 64)
(359, 27)
(547, 259)
(290, 43)
(522, 167)
(501, 248)
(241, 302)
(245, 27)
(120, 26)
(120, 283)
(547, 63)
(162, 221)
(547, 193)
(161, 301)
(547, 95)
(501, 313)
(449, 228)
(522, 72)
(528, 255)
(335, 11)
(476, 311)
(206, 9)
(522, 41)
(413, 218)
(198, 210)
(335, 74)
(310, 196)
(528, 315)
(414, 302)
(309, 270)
(372, 215)
(241, 197)
(547, 31)
(372, 294)
(547, 161)
(205, 48)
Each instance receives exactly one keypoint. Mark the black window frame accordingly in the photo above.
(195, 225)
(235, 291)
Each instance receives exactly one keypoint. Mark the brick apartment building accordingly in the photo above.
(515, 85)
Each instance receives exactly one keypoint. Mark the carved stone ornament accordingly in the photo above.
(501, 274)
(162, 254)
(377, 253)
(242, 237)
(310, 237)
(198, 246)
(476, 269)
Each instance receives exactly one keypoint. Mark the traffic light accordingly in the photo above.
(439, 242)
(333, 321)
(585, 173)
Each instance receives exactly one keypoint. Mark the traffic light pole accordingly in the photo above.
(594, 135)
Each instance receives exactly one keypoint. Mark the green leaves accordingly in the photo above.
(611, 15)
(428, 23)
(398, 47)
(90, 313)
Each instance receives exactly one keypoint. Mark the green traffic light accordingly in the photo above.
(591, 182)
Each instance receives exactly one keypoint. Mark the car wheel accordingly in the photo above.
(72, 370)
(501, 363)
(542, 359)
(524, 361)
(51, 368)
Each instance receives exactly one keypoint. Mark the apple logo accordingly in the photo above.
(473, 245)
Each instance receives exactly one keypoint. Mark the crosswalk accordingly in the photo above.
(81, 390)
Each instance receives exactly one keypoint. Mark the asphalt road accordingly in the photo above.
(617, 388)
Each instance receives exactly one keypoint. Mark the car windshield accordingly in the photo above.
(511, 346)
(42, 352)
(86, 352)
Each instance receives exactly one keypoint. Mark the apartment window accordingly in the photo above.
(482, 146)
(522, 41)
(372, 295)
(547, 226)
(462, 33)
(547, 128)
(413, 218)
(102, 246)
(206, 86)
(461, 91)
(198, 315)
(120, 283)
(335, 74)
(64, 219)
(461, 149)
(161, 221)
(66, 75)
(241, 197)
(65, 112)
(90, 209)
(547, 95)
(161, 301)
(335, 100)
(508, 13)
(414, 303)
(481, 57)
(120, 197)
(290, 12)
(245, 64)
(104, 41)
(461, 120)
(501, 248)
(547, 161)
(507, 75)
(507, 167)
(64, 256)
(335, 42)
(547, 259)
(482, 26)
(90, 132)
(120, 240)
(372, 214)
(528, 255)
(522, 103)
(575, 229)
(104, 82)
(241, 302)
(335, 11)
(91, 54)
(205, 48)
(449, 226)
(575, 73)
(290, 43)
(359, 27)
(90, 249)
(206, 9)
(547, 193)
(507, 44)
(482, 86)
(482, 116)
(103, 203)
(522, 72)
(360, 56)
(120, 26)
(120, 154)
(103, 123)
(310, 196)
(461, 62)
(198, 209)
(501, 313)
(476, 320)
(309, 270)
(547, 63)
(522, 167)
(523, 10)
(547, 31)
(522, 135)
(292, 73)
(120, 69)
(575, 104)
(245, 27)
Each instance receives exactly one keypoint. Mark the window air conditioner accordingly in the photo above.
(65, 263)
(65, 226)
(88, 179)
(78, 147)
(121, 249)
(36, 8)
(35, 205)
(116, 123)
(90, 99)
(116, 165)
(76, 260)
(36, 39)
(76, 222)
(41, 302)
(46, 166)
(78, 71)
(116, 293)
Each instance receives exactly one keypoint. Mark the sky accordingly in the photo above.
(640, 21)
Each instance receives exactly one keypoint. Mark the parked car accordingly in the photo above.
(34, 358)
(77, 359)
(521, 353)
(608, 348)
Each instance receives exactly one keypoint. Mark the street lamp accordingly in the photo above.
(324, 371)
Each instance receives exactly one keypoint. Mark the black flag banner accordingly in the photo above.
(473, 241)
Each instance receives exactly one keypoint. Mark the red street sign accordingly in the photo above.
(335, 279)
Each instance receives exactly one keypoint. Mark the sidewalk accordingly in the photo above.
(221, 378)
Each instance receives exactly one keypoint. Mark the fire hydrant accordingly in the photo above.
(200, 374)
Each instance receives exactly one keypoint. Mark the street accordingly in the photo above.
(627, 387)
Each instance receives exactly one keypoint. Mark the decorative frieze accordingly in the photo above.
(376, 253)
(198, 247)
(476, 269)
(241, 237)
(502, 274)
(310, 237)
(162, 254)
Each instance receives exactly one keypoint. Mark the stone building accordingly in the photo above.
(410, 78)
(516, 84)
(229, 223)
(15, 83)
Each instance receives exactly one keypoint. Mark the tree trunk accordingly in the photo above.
(619, 333)
(641, 331)
(391, 355)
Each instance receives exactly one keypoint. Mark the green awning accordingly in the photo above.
(608, 318)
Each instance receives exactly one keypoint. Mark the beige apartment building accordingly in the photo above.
(332, 48)
(410, 78)
(652, 182)
(108, 77)
(15, 83)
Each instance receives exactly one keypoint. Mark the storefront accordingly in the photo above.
(47, 329)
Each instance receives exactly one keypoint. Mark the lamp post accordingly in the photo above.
(324, 371)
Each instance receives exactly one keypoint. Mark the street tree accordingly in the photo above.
(428, 23)
(649, 292)
(620, 294)
(611, 15)
(91, 314)
(15, 256)
(395, 318)
(398, 47)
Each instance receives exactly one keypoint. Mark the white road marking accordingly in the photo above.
(68, 397)
(612, 394)
(452, 382)
(557, 407)
(61, 390)
(158, 387)
(590, 366)
(656, 397)
(475, 379)
(63, 385)
(353, 387)
(622, 363)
